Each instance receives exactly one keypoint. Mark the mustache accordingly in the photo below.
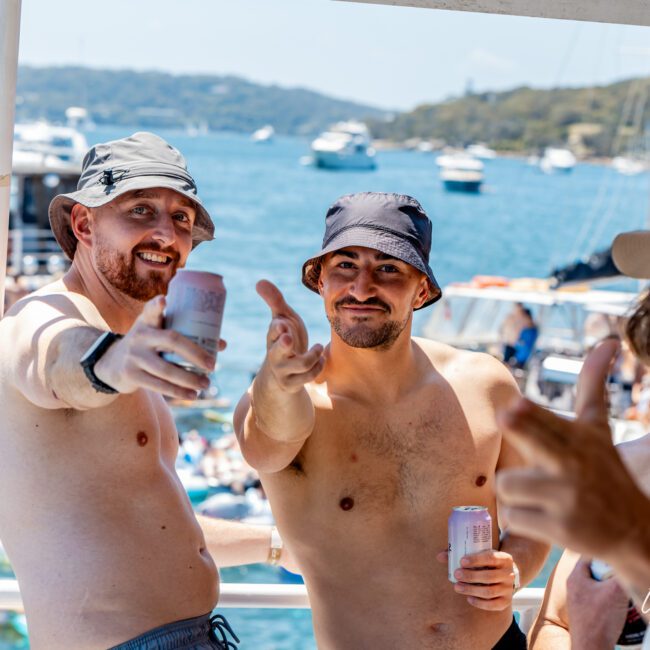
(157, 248)
(371, 302)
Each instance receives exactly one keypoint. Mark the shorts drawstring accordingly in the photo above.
(219, 624)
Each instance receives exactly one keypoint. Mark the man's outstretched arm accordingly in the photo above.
(44, 340)
(277, 415)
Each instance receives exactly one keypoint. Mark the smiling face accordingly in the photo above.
(369, 296)
(141, 238)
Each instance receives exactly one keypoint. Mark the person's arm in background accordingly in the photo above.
(578, 612)
(231, 543)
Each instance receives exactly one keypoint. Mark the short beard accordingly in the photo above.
(361, 335)
(119, 270)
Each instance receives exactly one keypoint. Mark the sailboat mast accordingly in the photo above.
(9, 36)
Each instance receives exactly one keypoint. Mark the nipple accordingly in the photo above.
(142, 438)
(481, 480)
(346, 503)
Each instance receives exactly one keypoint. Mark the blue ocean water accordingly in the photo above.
(269, 213)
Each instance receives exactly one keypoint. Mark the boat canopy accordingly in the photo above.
(598, 266)
(627, 12)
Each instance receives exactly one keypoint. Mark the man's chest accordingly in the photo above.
(413, 456)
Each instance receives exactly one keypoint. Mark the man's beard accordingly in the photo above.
(361, 334)
(120, 271)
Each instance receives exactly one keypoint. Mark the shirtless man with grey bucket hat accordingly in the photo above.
(364, 446)
(96, 523)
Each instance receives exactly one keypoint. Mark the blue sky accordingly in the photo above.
(393, 57)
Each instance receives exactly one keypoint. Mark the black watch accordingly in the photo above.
(94, 353)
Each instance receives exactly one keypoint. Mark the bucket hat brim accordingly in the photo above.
(381, 240)
(98, 195)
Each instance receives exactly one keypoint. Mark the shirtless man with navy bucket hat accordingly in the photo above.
(365, 445)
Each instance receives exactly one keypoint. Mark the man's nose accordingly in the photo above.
(164, 231)
(363, 285)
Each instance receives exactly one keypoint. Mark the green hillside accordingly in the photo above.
(601, 120)
(158, 99)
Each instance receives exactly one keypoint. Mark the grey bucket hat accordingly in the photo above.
(141, 161)
(394, 224)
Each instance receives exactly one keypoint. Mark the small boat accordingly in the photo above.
(557, 160)
(629, 166)
(346, 145)
(460, 172)
(263, 135)
(481, 151)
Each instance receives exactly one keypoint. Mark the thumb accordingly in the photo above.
(152, 314)
(273, 297)
(591, 402)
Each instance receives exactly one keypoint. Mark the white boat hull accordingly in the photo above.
(338, 160)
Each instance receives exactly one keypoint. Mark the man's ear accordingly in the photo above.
(81, 222)
(423, 292)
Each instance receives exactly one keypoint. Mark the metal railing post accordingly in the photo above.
(9, 36)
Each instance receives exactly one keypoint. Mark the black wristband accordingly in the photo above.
(94, 353)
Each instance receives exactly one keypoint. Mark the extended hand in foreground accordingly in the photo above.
(576, 492)
(487, 579)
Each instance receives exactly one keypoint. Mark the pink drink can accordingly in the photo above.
(470, 531)
(195, 302)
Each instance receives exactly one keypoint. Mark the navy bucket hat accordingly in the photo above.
(394, 224)
(141, 161)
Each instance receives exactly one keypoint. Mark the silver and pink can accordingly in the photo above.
(195, 302)
(470, 531)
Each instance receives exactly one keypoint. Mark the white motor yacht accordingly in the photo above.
(346, 145)
(460, 172)
(557, 160)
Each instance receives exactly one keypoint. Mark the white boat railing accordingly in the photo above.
(277, 596)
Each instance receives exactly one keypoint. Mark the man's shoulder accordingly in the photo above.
(459, 360)
(54, 300)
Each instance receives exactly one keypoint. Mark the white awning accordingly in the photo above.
(627, 12)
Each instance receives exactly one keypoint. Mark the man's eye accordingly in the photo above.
(181, 216)
(389, 268)
(139, 209)
(345, 265)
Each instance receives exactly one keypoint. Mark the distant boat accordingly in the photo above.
(460, 172)
(629, 166)
(78, 118)
(265, 134)
(481, 151)
(195, 130)
(557, 160)
(346, 145)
